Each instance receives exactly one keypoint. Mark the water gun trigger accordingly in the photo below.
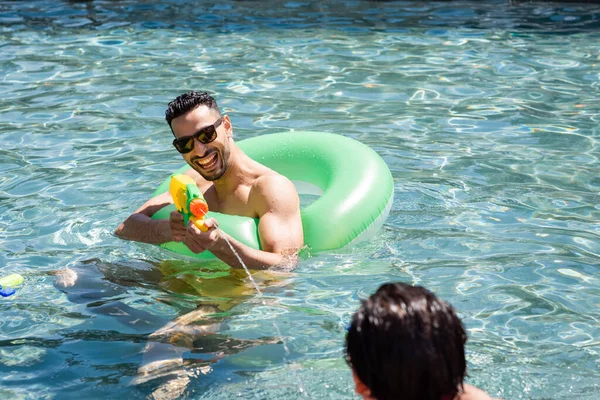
(200, 224)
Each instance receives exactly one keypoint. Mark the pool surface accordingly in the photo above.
(487, 114)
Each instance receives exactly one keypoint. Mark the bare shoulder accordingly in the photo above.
(273, 181)
(274, 191)
(473, 393)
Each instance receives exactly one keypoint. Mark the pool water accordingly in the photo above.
(487, 114)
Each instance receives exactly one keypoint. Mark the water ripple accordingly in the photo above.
(486, 114)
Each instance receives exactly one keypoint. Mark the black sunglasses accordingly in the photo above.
(204, 135)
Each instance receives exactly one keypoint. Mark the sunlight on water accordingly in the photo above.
(485, 112)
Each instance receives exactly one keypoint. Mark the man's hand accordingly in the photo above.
(178, 228)
(198, 241)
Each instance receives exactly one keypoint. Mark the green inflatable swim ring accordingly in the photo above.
(354, 183)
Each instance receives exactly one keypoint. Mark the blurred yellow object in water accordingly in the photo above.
(11, 280)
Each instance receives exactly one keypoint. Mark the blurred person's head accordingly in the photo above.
(405, 343)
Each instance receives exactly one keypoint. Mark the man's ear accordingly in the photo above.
(360, 388)
(227, 126)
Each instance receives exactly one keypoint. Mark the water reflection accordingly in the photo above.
(239, 16)
(485, 112)
(176, 349)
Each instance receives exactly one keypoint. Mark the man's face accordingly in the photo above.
(209, 159)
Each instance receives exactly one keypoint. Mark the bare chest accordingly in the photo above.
(234, 203)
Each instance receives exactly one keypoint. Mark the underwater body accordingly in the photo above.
(486, 114)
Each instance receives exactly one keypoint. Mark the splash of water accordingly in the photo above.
(287, 352)
(243, 265)
(301, 386)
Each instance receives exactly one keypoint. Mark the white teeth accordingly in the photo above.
(208, 160)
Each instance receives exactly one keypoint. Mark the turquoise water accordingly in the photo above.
(487, 115)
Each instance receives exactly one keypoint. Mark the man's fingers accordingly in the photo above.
(192, 243)
(197, 240)
(211, 223)
(176, 216)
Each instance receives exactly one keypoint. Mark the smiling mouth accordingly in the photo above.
(207, 162)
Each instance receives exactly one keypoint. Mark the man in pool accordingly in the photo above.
(231, 182)
(405, 343)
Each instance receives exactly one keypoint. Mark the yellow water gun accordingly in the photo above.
(189, 200)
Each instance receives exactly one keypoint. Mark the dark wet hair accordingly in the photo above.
(186, 102)
(405, 343)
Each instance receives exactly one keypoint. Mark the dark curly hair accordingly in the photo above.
(186, 102)
(406, 343)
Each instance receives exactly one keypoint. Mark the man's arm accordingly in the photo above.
(140, 227)
(279, 228)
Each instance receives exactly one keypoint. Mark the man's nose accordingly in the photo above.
(199, 147)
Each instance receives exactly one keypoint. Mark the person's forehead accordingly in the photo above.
(195, 119)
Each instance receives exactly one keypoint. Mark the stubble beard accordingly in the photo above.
(224, 158)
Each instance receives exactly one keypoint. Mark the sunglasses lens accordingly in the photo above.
(208, 135)
(184, 145)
